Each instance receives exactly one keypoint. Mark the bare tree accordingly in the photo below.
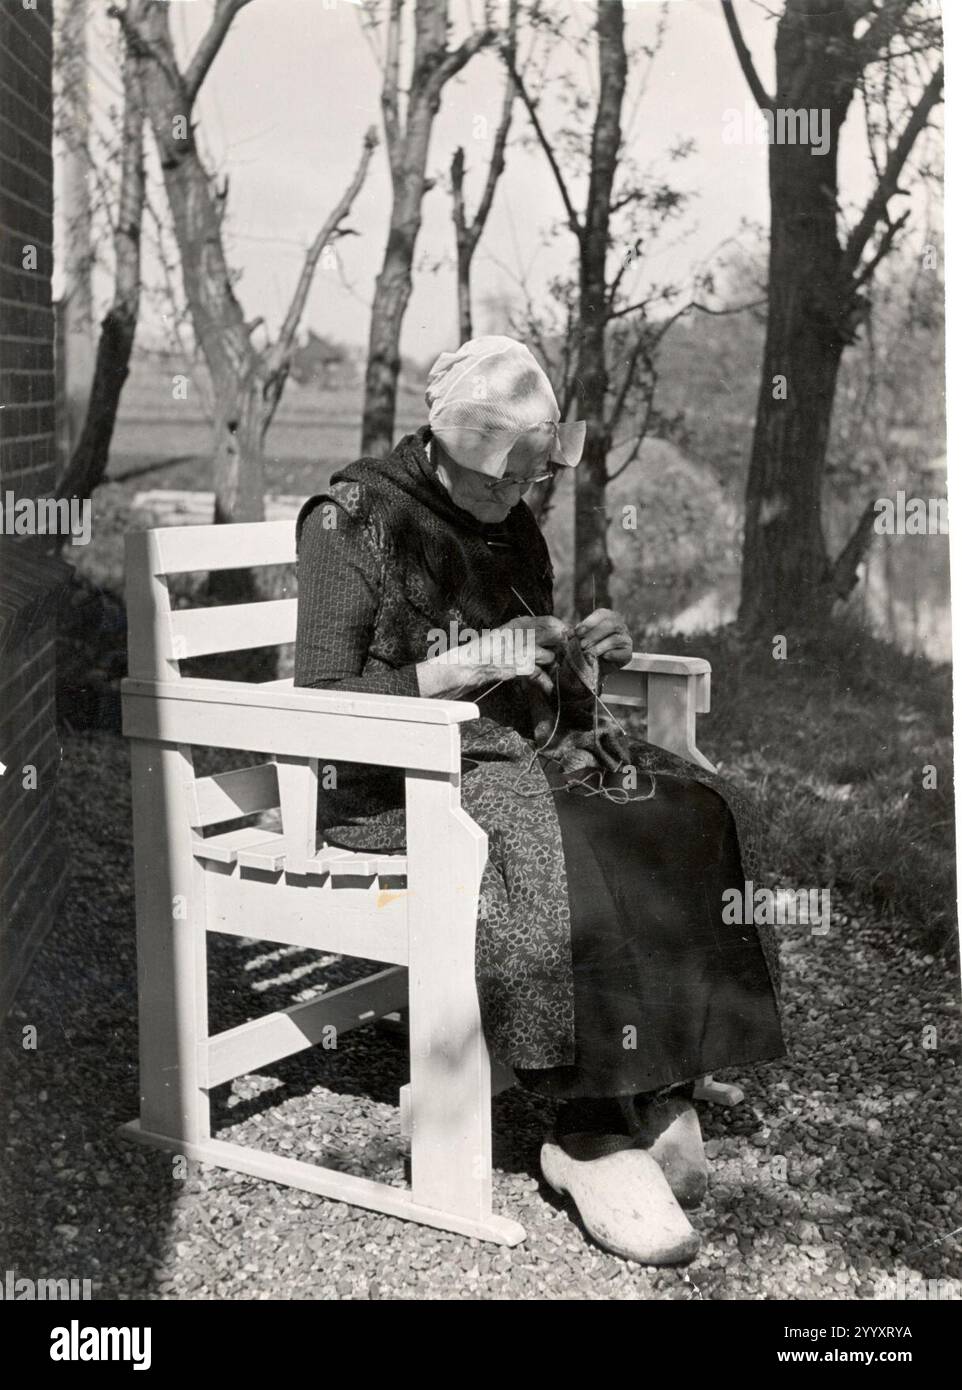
(825, 52)
(609, 338)
(247, 382)
(88, 461)
(408, 136)
(467, 233)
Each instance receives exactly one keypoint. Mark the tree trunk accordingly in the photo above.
(216, 315)
(408, 155)
(238, 461)
(88, 461)
(812, 309)
(464, 245)
(391, 295)
(465, 325)
(240, 427)
(407, 143)
(592, 562)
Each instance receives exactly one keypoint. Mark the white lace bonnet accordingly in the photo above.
(482, 397)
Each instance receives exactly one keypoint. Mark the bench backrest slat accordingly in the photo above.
(160, 636)
(234, 627)
(240, 545)
(230, 795)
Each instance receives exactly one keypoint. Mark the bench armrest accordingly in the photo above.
(665, 665)
(673, 690)
(348, 726)
(655, 664)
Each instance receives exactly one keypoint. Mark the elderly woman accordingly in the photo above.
(606, 974)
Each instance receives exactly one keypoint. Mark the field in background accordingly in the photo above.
(676, 561)
(312, 429)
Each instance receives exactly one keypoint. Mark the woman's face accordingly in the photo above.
(490, 499)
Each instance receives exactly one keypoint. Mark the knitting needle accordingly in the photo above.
(503, 681)
(601, 702)
(522, 600)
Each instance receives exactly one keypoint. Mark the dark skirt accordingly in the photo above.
(664, 990)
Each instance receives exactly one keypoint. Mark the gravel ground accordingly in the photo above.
(837, 1173)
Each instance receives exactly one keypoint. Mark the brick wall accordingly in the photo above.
(31, 865)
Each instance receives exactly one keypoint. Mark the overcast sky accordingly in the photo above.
(285, 106)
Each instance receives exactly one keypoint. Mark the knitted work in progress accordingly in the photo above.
(589, 752)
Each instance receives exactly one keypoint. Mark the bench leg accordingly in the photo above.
(449, 1103)
(171, 946)
(671, 717)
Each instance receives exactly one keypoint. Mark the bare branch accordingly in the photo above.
(743, 53)
(630, 309)
(642, 430)
(884, 247)
(454, 60)
(496, 167)
(225, 11)
(651, 52)
(457, 196)
(888, 184)
(639, 351)
(692, 304)
(367, 19)
(844, 572)
(729, 309)
(573, 220)
(280, 351)
(627, 261)
(880, 32)
(646, 348)
(634, 196)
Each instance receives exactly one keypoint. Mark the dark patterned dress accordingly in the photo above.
(602, 962)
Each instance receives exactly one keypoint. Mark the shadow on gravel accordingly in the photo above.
(248, 978)
(77, 1200)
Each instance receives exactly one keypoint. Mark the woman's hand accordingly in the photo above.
(546, 635)
(604, 634)
(520, 648)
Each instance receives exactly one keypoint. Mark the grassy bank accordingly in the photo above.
(839, 742)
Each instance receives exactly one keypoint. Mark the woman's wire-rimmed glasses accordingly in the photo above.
(498, 485)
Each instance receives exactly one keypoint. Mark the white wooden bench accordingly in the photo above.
(282, 886)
